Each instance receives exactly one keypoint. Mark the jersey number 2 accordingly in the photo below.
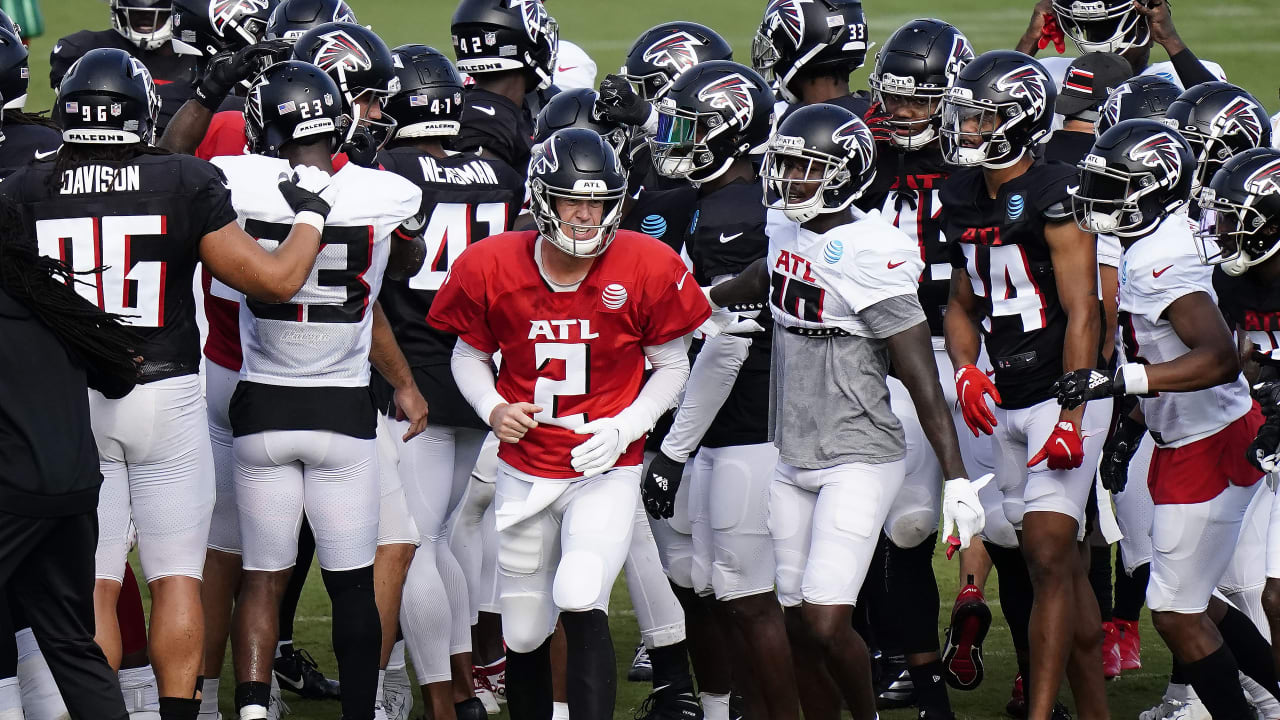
(577, 381)
(133, 289)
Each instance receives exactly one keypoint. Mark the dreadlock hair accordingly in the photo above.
(43, 285)
(73, 155)
(21, 117)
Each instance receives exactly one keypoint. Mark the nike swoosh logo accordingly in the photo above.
(893, 265)
(486, 110)
(566, 69)
(42, 156)
(293, 684)
(680, 282)
(726, 238)
(1158, 273)
(1064, 445)
(57, 48)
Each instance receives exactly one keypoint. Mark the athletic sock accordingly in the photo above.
(931, 694)
(378, 695)
(1177, 675)
(209, 696)
(1131, 591)
(715, 707)
(670, 664)
(1015, 595)
(911, 598)
(560, 711)
(1216, 680)
(529, 682)
(284, 648)
(1100, 579)
(592, 679)
(1251, 651)
(179, 708)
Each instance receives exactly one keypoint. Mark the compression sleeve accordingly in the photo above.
(711, 380)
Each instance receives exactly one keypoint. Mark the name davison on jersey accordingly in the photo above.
(100, 178)
(476, 172)
(561, 330)
(794, 265)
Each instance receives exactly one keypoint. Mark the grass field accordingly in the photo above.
(1239, 34)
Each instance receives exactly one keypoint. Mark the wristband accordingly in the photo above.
(310, 217)
(707, 292)
(1133, 378)
(209, 101)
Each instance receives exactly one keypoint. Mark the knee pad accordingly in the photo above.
(580, 583)
(520, 549)
(913, 524)
(527, 621)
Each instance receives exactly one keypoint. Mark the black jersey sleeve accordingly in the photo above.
(1053, 196)
(210, 197)
(728, 231)
(494, 124)
(64, 54)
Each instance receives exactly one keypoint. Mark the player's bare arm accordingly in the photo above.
(1075, 261)
(1211, 359)
(911, 352)
(749, 287)
(389, 361)
(187, 128)
(960, 323)
(238, 260)
(1029, 43)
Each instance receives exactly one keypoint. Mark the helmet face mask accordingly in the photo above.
(1102, 25)
(681, 145)
(974, 133)
(1240, 213)
(1107, 200)
(914, 116)
(800, 178)
(1136, 175)
(911, 75)
(820, 160)
(572, 170)
(997, 108)
(145, 23)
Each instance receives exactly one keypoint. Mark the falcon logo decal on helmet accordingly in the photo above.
(961, 55)
(1111, 108)
(1266, 180)
(545, 161)
(340, 50)
(1241, 116)
(222, 12)
(732, 93)
(1160, 151)
(854, 136)
(787, 15)
(675, 51)
(534, 15)
(1026, 82)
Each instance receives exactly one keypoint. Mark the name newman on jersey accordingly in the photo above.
(472, 173)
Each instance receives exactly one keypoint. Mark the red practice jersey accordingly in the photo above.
(578, 355)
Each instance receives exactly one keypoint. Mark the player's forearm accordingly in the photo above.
(752, 286)
(473, 373)
(385, 354)
(1202, 367)
(912, 353)
(1080, 349)
(711, 379)
(961, 335)
(187, 128)
(670, 363)
(289, 265)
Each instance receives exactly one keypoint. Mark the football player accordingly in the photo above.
(153, 443)
(808, 49)
(26, 137)
(465, 199)
(302, 416)
(1218, 120)
(576, 308)
(1182, 363)
(1025, 278)
(842, 286)
(911, 73)
(144, 29)
(291, 19)
(509, 48)
(709, 120)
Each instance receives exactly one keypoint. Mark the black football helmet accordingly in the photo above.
(1145, 96)
(999, 106)
(499, 35)
(361, 65)
(107, 98)
(576, 164)
(293, 18)
(145, 23)
(7, 23)
(15, 73)
(805, 35)
(664, 51)
(915, 66)
(714, 113)
(208, 27)
(577, 108)
(429, 103)
(1112, 26)
(1220, 120)
(290, 101)
(821, 158)
(1240, 218)
(1136, 175)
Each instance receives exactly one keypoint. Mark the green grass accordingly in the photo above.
(1239, 34)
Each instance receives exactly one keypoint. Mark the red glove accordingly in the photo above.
(972, 385)
(877, 121)
(1064, 449)
(1052, 33)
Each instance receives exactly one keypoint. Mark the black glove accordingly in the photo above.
(229, 68)
(877, 121)
(1118, 450)
(619, 102)
(661, 481)
(1264, 451)
(1079, 386)
(1267, 393)
(302, 191)
(362, 148)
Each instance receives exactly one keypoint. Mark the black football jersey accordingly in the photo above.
(725, 235)
(174, 75)
(465, 198)
(663, 214)
(1251, 307)
(495, 124)
(141, 221)
(906, 192)
(857, 103)
(25, 143)
(1000, 244)
(1068, 146)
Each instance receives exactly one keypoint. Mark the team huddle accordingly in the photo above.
(479, 332)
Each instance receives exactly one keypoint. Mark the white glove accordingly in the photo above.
(311, 179)
(962, 514)
(610, 437)
(723, 320)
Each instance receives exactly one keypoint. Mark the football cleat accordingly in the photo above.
(1130, 645)
(483, 688)
(896, 688)
(1017, 705)
(397, 694)
(962, 653)
(1111, 660)
(641, 669)
(297, 671)
(671, 702)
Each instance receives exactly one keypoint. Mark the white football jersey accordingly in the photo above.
(822, 281)
(322, 336)
(1156, 271)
